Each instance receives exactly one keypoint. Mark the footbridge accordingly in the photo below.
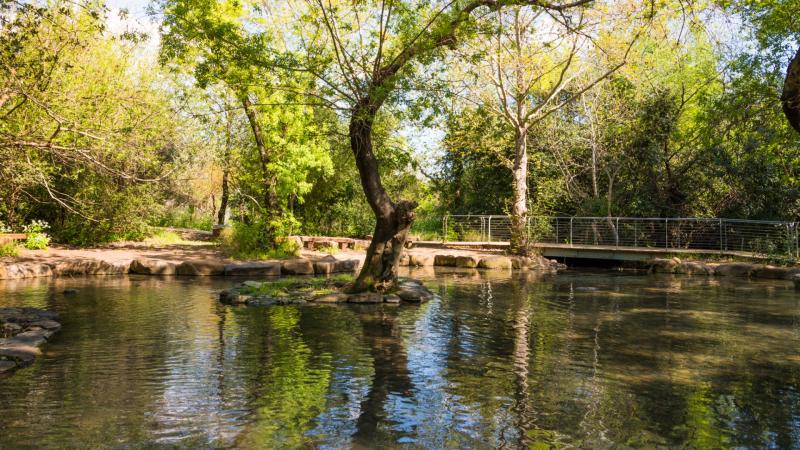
(627, 238)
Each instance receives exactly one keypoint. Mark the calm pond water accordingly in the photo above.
(582, 359)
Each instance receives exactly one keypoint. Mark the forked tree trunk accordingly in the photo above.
(791, 92)
(392, 222)
(519, 207)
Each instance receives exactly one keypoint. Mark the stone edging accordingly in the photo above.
(151, 266)
(24, 330)
(736, 269)
(537, 262)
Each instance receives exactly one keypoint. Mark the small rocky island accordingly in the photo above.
(22, 331)
(319, 290)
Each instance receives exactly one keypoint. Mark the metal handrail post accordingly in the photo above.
(796, 242)
(570, 231)
(444, 229)
(666, 232)
(720, 236)
(616, 234)
(490, 230)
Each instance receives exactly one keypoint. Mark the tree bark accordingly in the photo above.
(392, 221)
(519, 207)
(270, 180)
(791, 92)
(226, 169)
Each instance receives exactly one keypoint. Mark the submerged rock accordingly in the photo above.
(7, 366)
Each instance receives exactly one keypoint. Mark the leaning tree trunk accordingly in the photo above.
(519, 207)
(393, 221)
(791, 92)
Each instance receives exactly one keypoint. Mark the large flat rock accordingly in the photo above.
(147, 266)
(297, 267)
(200, 268)
(257, 269)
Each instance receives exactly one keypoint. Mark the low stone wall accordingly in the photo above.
(535, 262)
(735, 269)
(24, 330)
(152, 266)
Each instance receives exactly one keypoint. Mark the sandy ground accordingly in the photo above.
(127, 253)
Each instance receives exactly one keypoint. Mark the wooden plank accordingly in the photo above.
(11, 237)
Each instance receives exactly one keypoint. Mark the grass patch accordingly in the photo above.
(331, 250)
(163, 238)
(287, 287)
(9, 249)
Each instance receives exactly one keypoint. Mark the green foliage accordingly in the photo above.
(37, 241)
(88, 126)
(9, 249)
(36, 238)
(185, 217)
(252, 241)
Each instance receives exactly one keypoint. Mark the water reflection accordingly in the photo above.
(506, 360)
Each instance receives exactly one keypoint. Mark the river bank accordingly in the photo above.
(209, 260)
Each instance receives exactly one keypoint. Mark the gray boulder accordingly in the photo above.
(259, 269)
(297, 267)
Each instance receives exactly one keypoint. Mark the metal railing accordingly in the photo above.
(724, 235)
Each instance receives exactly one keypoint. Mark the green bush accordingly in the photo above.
(37, 238)
(37, 241)
(252, 241)
(9, 249)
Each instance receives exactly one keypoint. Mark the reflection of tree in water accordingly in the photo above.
(382, 335)
(290, 385)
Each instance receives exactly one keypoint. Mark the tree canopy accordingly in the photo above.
(304, 116)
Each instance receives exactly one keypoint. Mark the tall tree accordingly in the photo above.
(535, 64)
(228, 43)
(375, 49)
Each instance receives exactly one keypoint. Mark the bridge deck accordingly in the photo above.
(609, 252)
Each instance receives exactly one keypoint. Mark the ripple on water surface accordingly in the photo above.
(587, 359)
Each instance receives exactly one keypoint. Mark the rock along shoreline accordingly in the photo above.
(24, 330)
